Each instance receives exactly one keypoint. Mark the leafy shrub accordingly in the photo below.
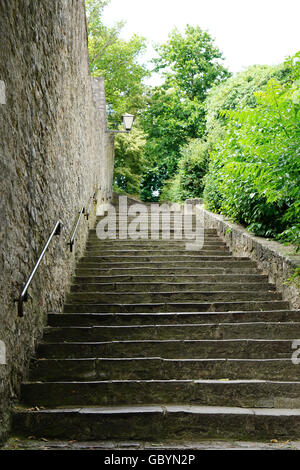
(192, 167)
(254, 176)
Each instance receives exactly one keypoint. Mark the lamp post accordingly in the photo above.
(127, 122)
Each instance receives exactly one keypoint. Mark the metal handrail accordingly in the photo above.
(24, 295)
(56, 231)
(72, 239)
(87, 212)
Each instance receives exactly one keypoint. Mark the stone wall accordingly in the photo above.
(276, 260)
(52, 155)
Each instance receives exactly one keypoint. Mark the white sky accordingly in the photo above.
(246, 31)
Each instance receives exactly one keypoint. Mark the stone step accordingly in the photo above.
(172, 271)
(181, 296)
(114, 238)
(177, 307)
(153, 225)
(159, 222)
(241, 393)
(159, 422)
(181, 235)
(162, 254)
(189, 218)
(149, 214)
(165, 233)
(173, 278)
(162, 245)
(169, 287)
(170, 349)
(142, 245)
(101, 319)
(201, 263)
(255, 330)
(195, 258)
(156, 368)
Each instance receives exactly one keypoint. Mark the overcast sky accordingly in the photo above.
(247, 31)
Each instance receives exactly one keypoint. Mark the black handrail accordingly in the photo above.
(72, 239)
(24, 296)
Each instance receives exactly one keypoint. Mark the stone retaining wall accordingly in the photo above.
(276, 260)
(52, 160)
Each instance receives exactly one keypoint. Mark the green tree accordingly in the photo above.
(190, 64)
(239, 91)
(118, 61)
(130, 163)
(192, 167)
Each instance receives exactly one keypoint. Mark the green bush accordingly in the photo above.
(192, 167)
(254, 175)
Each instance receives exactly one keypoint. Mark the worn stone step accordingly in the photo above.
(101, 319)
(158, 234)
(169, 287)
(241, 393)
(154, 226)
(177, 307)
(185, 223)
(164, 254)
(172, 271)
(159, 422)
(195, 258)
(162, 245)
(251, 330)
(149, 297)
(201, 263)
(115, 239)
(151, 220)
(173, 278)
(48, 370)
(198, 257)
(172, 349)
(153, 214)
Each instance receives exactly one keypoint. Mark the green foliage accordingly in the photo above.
(295, 278)
(254, 175)
(151, 181)
(168, 122)
(239, 91)
(191, 62)
(130, 163)
(175, 112)
(192, 167)
(118, 61)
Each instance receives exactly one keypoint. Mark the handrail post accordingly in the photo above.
(72, 239)
(87, 212)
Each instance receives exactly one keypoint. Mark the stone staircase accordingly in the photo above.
(157, 343)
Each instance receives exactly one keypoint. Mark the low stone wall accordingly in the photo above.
(52, 160)
(277, 261)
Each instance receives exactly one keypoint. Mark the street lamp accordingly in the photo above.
(127, 122)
